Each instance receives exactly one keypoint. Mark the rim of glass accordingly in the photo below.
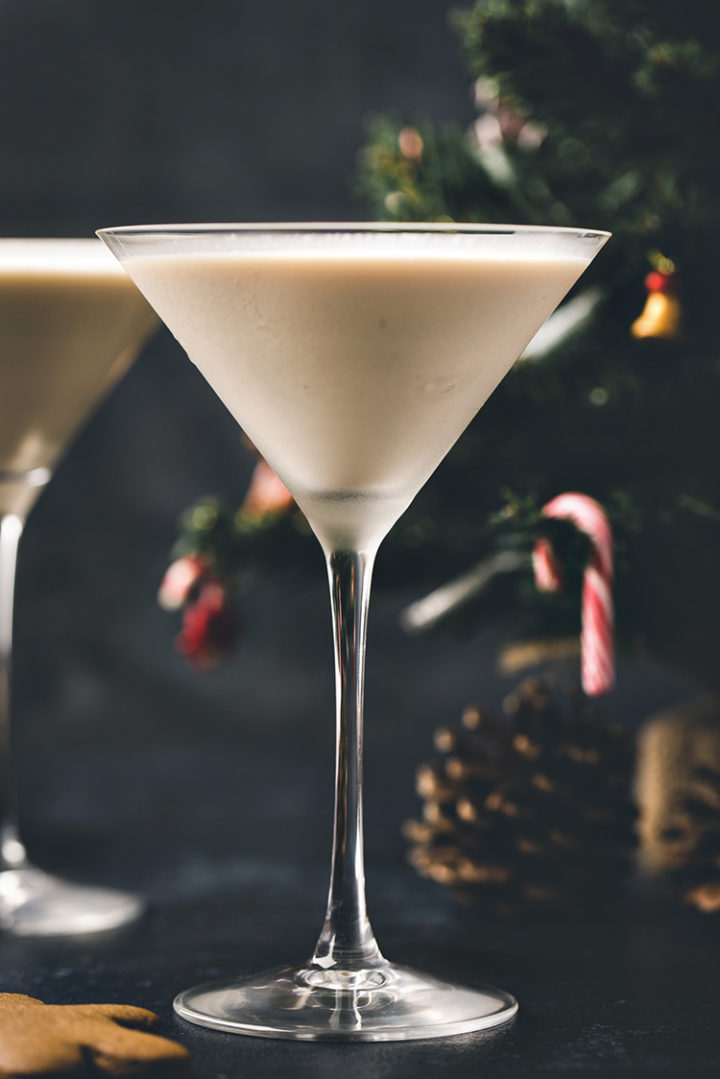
(354, 226)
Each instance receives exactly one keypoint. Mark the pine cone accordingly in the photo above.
(533, 810)
(679, 799)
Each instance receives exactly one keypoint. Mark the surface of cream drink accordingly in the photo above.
(354, 365)
(70, 323)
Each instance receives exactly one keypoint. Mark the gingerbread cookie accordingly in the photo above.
(39, 1039)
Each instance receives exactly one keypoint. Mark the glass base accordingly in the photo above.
(387, 1003)
(34, 903)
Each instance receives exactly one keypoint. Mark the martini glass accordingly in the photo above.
(353, 356)
(70, 324)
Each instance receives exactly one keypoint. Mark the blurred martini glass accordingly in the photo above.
(353, 356)
(70, 324)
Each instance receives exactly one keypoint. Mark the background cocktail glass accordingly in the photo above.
(70, 324)
(354, 357)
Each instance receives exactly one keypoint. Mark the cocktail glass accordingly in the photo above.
(70, 324)
(353, 356)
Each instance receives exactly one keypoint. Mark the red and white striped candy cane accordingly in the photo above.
(596, 640)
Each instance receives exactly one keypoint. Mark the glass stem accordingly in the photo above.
(347, 940)
(12, 851)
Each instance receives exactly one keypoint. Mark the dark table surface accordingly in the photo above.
(632, 991)
(631, 994)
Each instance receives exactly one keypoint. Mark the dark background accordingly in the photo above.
(170, 110)
(208, 791)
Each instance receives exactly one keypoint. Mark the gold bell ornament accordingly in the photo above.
(662, 314)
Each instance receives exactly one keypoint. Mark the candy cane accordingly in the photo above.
(596, 639)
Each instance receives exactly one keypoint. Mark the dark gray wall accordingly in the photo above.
(162, 109)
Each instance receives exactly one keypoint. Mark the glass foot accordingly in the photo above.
(387, 1003)
(34, 903)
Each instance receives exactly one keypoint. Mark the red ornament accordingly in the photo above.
(210, 627)
(661, 281)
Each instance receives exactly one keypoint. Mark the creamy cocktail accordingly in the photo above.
(354, 357)
(70, 323)
(355, 365)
